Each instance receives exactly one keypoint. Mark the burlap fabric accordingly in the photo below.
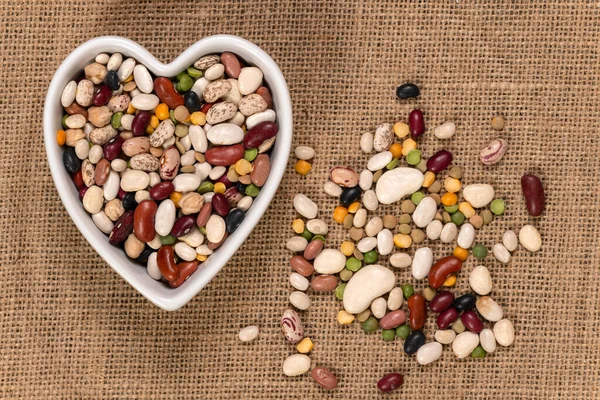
(70, 328)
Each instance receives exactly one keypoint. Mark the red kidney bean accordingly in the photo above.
(102, 96)
(417, 308)
(441, 269)
(441, 301)
(77, 109)
(439, 161)
(122, 228)
(220, 204)
(204, 214)
(446, 318)
(101, 172)
(162, 190)
(535, 199)
(324, 283)
(393, 319)
(214, 246)
(471, 321)
(183, 225)
(225, 155)
(416, 123)
(301, 266)
(261, 132)
(121, 195)
(324, 377)
(166, 93)
(140, 123)
(390, 382)
(225, 180)
(82, 192)
(143, 220)
(166, 263)
(233, 196)
(266, 95)
(313, 249)
(78, 180)
(112, 149)
(185, 269)
(232, 64)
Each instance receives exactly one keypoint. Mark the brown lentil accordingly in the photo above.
(356, 233)
(348, 220)
(446, 217)
(363, 316)
(456, 172)
(435, 187)
(404, 219)
(358, 255)
(476, 221)
(438, 216)
(389, 221)
(404, 229)
(199, 157)
(422, 166)
(377, 175)
(457, 326)
(498, 123)
(417, 235)
(429, 293)
(437, 198)
(408, 207)
(187, 169)
(345, 275)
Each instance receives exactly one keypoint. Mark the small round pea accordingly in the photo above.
(417, 197)
(185, 83)
(458, 218)
(194, 73)
(206, 187)
(413, 157)
(252, 190)
(345, 275)
(497, 206)
(480, 251)
(403, 331)
(306, 234)
(392, 164)
(115, 120)
(451, 209)
(370, 325)
(407, 290)
(479, 352)
(371, 257)
(388, 334)
(250, 154)
(339, 291)
(353, 264)
(319, 237)
(167, 240)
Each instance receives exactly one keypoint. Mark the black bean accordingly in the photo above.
(412, 343)
(350, 195)
(71, 161)
(112, 80)
(143, 258)
(407, 91)
(129, 202)
(234, 219)
(464, 302)
(191, 101)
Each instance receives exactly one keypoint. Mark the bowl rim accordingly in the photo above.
(172, 299)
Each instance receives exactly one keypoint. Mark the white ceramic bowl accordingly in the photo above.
(158, 292)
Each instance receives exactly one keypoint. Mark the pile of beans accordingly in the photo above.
(434, 204)
(167, 167)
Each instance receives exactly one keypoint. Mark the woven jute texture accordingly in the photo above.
(70, 328)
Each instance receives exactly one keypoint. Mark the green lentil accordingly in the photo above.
(446, 217)
(417, 197)
(458, 218)
(62, 121)
(252, 190)
(403, 331)
(319, 237)
(388, 334)
(202, 230)
(422, 166)
(345, 275)
(487, 216)
(353, 264)
(458, 326)
(339, 291)
(407, 290)
(115, 120)
(250, 154)
(456, 172)
(413, 157)
(194, 73)
(404, 229)
(480, 251)
(392, 164)
(451, 209)
(497, 206)
(429, 293)
(185, 83)
(370, 325)
(205, 187)
(181, 130)
(404, 219)
(479, 352)
(306, 234)
(371, 257)
(167, 240)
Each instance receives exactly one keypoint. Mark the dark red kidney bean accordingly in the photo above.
(78, 180)
(446, 318)
(112, 149)
(82, 192)
(162, 190)
(204, 214)
(324, 283)
(261, 132)
(417, 307)
(183, 225)
(413, 342)
(205, 107)
(77, 109)
(390, 382)
(122, 195)
(441, 269)
(393, 319)
(266, 95)
(225, 155)
(233, 196)
(102, 171)
(471, 321)
(301, 266)
(102, 96)
(214, 246)
(166, 93)
(439, 161)
(71, 161)
(324, 377)
(464, 302)
(220, 204)
(166, 263)
(140, 123)
(416, 123)
(122, 228)
(143, 220)
(313, 249)
(234, 219)
(535, 199)
(185, 269)
(441, 301)
(225, 180)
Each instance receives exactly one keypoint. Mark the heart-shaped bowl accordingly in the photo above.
(157, 292)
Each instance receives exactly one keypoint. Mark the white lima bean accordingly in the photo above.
(304, 152)
(422, 262)
(481, 280)
(378, 307)
(299, 282)
(305, 206)
(332, 189)
(400, 260)
(395, 299)
(366, 141)
(300, 300)
(248, 333)
(510, 240)
(501, 253)
(434, 230)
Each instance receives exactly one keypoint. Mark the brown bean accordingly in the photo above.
(393, 319)
(166, 93)
(265, 94)
(75, 108)
(122, 229)
(102, 172)
(535, 199)
(324, 283)
(261, 169)
(301, 266)
(185, 269)
(232, 64)
(324, 377)
(441, 269)
(225, 155)
(258, 134)
(313, 249)
(143, 220)
(166, 263)
(417, 311)
(204, 214)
